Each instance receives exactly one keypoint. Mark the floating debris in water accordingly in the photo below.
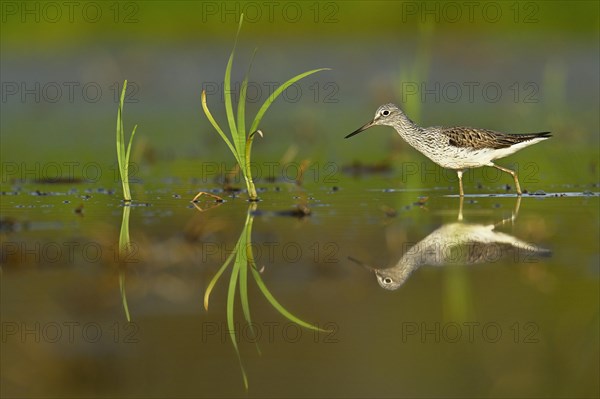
(539, 192)
(177, 196)
(388, 211)
(357, 168)
(300, 211)
(59, 180)
(8, 225)
(422, 201)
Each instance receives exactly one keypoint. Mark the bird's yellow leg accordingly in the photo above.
(514, 175)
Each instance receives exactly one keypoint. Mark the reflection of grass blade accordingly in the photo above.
(124, 294)
(230, 309)
(215, 278)
(124, 245)
(276, 93)
(278, 306)
(245, 249)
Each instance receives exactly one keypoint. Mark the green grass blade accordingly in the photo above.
(230, 319)
(278, 306)
(218, 128)
(249, 147)
(120, 141)
(129, 146)
(125, 167)
(276, 93)
(122, 155)
(235, 133)
(120, 129)
(241, 114)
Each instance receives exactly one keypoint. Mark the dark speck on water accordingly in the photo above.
(539, 192)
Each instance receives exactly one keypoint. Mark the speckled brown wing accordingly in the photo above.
(468, 137)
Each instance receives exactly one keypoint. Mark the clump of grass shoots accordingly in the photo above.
(122, 154)
(241, 139)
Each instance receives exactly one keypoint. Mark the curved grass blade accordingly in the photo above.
(276, 93)
(249, 145)
(121, 155)
(241, 113)
(230, 322)
(278, 306)
(125, 169)
(218, 128)
(235, 133)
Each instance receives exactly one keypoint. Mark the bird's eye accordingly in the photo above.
(387, 280)
(385, 112)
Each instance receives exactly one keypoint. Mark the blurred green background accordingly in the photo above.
(508, 66)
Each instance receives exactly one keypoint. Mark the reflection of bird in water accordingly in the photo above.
(455, 244)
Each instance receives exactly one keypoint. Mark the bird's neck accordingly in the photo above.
(407, 129)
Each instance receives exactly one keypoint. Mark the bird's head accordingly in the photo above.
(385, 116)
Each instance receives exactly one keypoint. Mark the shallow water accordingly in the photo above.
(503, 302)
(367, 280)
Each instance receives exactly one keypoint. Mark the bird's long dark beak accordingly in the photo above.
(360, 129)
(360, 263)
